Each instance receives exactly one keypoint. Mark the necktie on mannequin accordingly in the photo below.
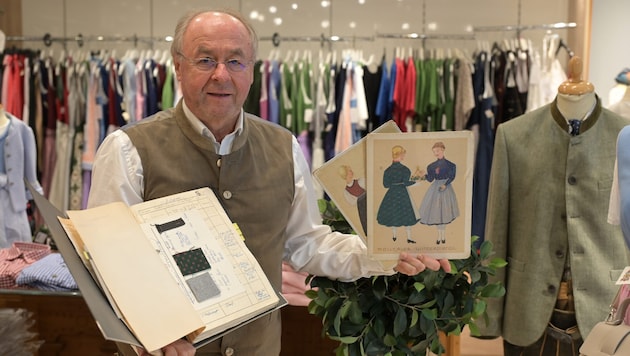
(574, 127)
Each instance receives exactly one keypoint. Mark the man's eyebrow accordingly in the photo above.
(207, 52)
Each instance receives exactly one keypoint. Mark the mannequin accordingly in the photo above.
(18, 161)
(576, 98)
(546, 215)
(619, 95)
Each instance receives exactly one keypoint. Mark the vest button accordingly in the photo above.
(219, 162)
(572, 180)
(227, 194)
(229, 351)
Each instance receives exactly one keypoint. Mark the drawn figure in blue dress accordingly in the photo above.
(439, 205)
(354, 192)
(396, 208)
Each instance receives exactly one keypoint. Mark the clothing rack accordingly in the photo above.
(521, 28)
(277, 39)
(80, 39)
(424, 36)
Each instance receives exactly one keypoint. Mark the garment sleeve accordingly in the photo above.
(614, 204)
(117, 172)
(497, 228)
(312, 247)
(30, 161)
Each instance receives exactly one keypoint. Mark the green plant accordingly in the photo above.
(400, 314)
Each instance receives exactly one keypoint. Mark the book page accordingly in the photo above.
(146, 295)
(207, 257)
(79, 246)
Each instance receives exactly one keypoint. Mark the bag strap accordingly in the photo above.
(618, 313)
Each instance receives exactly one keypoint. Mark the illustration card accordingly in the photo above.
(419, 193)
(343, 178)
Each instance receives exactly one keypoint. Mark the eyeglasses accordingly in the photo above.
(208, 64)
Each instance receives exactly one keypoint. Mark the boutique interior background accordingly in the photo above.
(375, 27)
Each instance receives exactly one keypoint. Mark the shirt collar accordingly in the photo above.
(223, 148)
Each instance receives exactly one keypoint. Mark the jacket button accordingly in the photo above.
(227, 194)
(559, 254)
(219, 162)
(551, 289)
(572, 180)
(229, 351)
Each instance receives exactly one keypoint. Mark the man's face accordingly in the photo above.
(215, 95)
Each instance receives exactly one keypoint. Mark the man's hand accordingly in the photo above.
(412, 264)
(177, 348)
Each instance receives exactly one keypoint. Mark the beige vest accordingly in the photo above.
(254, 183)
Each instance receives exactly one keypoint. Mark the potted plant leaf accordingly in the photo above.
(400, 314)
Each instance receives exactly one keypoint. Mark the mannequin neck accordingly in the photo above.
(576, 106)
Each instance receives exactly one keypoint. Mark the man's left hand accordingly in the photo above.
(412, 264)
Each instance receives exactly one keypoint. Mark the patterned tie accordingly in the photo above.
(574, 127)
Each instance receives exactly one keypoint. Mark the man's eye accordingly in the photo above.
(234, 62)
(205, 61)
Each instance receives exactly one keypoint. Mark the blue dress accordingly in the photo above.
(396, 208)
(439, 206)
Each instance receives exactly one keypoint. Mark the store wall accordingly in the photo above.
(359, 23)
(610, 52)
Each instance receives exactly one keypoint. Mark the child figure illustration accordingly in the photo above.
(354, 193)
(396, 208)
(439, 205)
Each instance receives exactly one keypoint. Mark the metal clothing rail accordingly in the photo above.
(520, 28)
(80, 39)
(277, 39)
(424, 36)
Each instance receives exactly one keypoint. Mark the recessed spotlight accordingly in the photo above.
(277, 21)
(294, 6)
(325, 3)
(273, 9)
(325, 24)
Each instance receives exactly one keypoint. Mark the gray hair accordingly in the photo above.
(186, 19)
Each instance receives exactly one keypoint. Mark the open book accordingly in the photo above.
(165, 269)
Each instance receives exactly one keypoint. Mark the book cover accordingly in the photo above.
(420, 193)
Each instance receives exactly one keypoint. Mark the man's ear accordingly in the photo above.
(176, 64)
